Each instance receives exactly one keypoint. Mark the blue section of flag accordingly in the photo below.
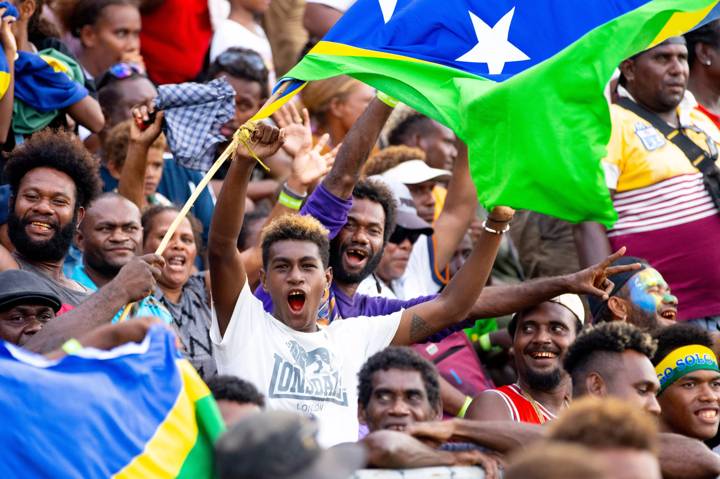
(441, 32)
(43, 88)
(84, 416)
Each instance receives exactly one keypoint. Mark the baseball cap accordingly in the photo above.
(413, 172)
(24, 287)
(405, 214)
(570, 301)
(597, 304)
(282, 445)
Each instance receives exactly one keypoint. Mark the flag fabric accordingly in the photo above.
(137, 411)
(10, 11)
(520, 81)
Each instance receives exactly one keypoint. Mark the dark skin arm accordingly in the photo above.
(396, 450)
(488, 406)
(682, 457)
(456, 300)
(591, 242)
(87, 112)
(499, 436)
(134, 281)
(318, 19)
(452, 398)
(356, 148)
(227, 270)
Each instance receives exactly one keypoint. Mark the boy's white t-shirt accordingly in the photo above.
(418, 277)
(314, 374)
(230, 33)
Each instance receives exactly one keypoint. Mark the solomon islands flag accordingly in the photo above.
(520, 81)
(136, 411)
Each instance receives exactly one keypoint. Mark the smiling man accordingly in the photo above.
(689, 382)
(541, 337)
(298, 365)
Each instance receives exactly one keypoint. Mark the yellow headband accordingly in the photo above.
(683, 360)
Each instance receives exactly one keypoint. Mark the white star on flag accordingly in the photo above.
(388, 8)
(493, 46)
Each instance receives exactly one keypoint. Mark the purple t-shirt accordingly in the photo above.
(332, 212)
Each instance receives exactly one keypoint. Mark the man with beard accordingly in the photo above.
(110, 236)
(357, 245)
(641, 297)
(541, 337)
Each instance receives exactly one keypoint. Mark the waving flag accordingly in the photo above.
(10, 11)
(137, 411)
(520, 81)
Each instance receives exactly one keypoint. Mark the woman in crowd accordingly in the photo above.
(181, 289)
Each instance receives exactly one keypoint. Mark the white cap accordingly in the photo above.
(406, 214)
(573, 303)
(413, 172)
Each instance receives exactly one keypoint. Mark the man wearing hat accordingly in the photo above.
(26, 305)
(541, 336)
(658, 150)
(641, 297)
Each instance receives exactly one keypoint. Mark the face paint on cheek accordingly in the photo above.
(669, 298)
(641, 298)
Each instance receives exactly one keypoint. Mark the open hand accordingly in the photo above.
(298, 133)
(594, 280)
(310, 165)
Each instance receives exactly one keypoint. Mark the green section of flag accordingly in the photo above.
(535, 140)
(200, 462)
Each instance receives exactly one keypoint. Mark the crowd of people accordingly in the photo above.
(353, 306)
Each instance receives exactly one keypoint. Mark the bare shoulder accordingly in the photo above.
(489, 406)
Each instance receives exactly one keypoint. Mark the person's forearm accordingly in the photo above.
(395, 450)
(591, 242)
(132, 178)
(88, 113)
(458, 211)
(259, 190)
(452, 398)
(686, 458)
(500, 436)
(356, 148)
(6, 104)
(495, 301)
(318, 19)
(98, 309)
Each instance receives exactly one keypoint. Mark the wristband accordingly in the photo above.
(387, 99)
(484, 342)
(465, 406)
(72, 346)
(291, 193)
(289, 202)
(485, 227)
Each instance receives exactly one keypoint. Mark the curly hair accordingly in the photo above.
(117, 141)
(231, 388)
(149, 215)
(558, 460)
(75, 14)
(405, 359)
(296, 228)
(678, 335)
(606, 423)
(614, 337)
(378, 192)
(413, 124)
(390, 157)
(708, 34)
(241, 63)
(59, 150)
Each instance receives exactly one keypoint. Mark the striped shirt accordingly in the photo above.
(521, 407)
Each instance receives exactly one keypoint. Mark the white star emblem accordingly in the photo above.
(388, 8)
(493, 46)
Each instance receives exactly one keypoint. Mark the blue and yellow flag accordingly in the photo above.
(520, 81)
(137, 411)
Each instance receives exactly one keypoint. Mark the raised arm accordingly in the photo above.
(88, 113)
(356, 148)
(134, 281)
(132, 178)
(454, 303)
(591, 242)
(227, 271)
(458, 212)
(9, 46)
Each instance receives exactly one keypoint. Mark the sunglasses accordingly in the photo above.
(401, 234)
(120, 71)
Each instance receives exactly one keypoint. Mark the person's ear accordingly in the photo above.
(26, 9)
(263, 277)
(595, 385)
(328, 276)
(88, 37)
(80, 216)
(336, 107)
(619, 308)
(80, 240)
(628, 70)
(704, 53)
(362, 415)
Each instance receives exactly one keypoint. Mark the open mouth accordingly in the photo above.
(355, 256)
(396, 427)
(296, 301)
(543, 355)
(176, 262)
(41, 226)
(669, 314)
(707, 415)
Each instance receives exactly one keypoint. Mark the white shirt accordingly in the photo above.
(418, 278)
(369, 287)
(309, 373)
(230, 33)
(341, 5)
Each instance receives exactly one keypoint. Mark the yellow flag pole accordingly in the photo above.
(241, 135)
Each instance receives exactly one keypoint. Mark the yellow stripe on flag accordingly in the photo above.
(681, 23)
(340, 49)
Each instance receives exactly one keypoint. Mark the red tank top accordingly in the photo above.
(522, 408)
